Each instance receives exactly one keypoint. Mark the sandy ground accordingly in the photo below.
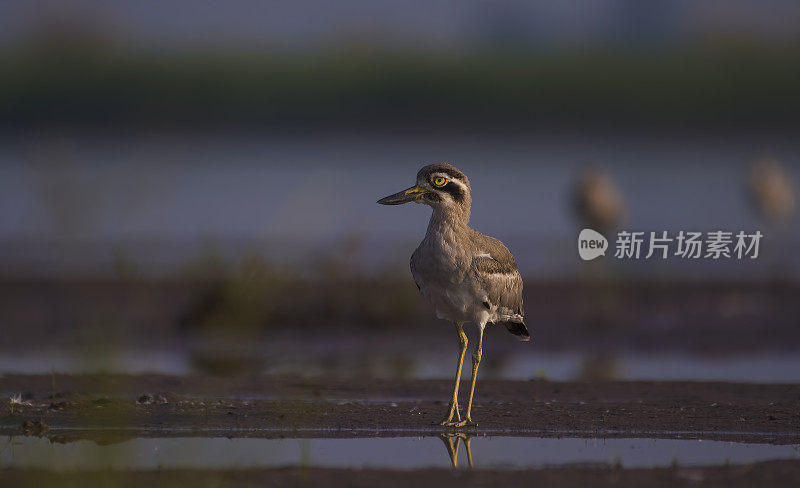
(114, 407)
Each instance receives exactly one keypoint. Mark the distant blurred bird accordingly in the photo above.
(772, 191)
(597, 201)
(467, 276)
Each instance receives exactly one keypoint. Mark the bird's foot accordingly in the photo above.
(453, 412)
(467, 422)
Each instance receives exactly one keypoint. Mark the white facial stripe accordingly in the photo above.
(449, 178)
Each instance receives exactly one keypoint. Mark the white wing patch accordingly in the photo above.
(484, 255)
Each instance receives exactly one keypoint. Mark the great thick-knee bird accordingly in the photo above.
(465, 275)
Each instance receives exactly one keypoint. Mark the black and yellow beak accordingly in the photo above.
(404, 196)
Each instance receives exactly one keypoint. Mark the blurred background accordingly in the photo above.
(190, 188)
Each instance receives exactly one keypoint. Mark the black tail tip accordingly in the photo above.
(519, 330)
(523, 337)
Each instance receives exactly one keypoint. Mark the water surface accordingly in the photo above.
(519, 364)
(393, 453)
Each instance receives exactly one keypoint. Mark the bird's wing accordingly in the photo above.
(497, 275)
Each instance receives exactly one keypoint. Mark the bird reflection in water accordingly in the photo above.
(451, 443)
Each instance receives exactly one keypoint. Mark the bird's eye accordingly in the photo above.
(439, 181)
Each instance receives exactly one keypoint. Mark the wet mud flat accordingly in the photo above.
(109, 408)
(135, 430)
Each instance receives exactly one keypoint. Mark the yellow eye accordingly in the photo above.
(440, 181)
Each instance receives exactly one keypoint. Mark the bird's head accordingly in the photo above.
(441, 186)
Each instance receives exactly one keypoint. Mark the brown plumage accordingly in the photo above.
(772, 191)
(465, 275)
(597, 202)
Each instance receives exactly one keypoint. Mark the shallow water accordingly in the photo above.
(395, 453)
(426, 364)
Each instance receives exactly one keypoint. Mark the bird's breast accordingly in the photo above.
(441, 274)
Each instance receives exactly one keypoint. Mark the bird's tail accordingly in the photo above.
(518, 329)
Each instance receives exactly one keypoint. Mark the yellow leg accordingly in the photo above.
(452, 448)
(476, 361)
(451, 444)
(462, 348)
(466, 440)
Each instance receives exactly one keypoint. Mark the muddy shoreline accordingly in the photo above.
(117, 407)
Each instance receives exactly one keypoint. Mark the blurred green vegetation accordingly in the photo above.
(230, 301)
(748, 85)
(246, 297)
(233, 298)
